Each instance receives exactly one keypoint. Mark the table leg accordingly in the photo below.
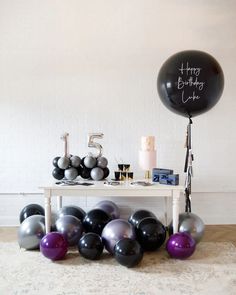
(59, 202)
(47, 205)
(176, 201)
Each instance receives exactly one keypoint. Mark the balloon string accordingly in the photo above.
(188, 168)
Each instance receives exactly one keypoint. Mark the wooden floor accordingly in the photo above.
(214, 233)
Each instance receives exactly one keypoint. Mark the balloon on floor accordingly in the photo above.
(71, 228)
(31, 231)
(128, 252)
(90, 246)
(95, 220)
(29, 210)
(151, 234)
(181, 245)
(138, 215)
(109, 207)
(54, 246)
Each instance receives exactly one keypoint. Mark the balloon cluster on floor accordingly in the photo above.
(101, 228)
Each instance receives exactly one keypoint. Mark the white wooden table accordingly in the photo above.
(99, 189)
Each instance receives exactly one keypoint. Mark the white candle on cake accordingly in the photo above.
(147, 154)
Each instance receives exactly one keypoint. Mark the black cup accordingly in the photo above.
(117, 175)
(121, 167)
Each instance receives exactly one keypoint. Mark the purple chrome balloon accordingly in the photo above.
(54, 246)
(71, 228)
(116, 230)
(110, 208)
(181, 245)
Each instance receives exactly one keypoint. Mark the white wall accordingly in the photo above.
(85, 66)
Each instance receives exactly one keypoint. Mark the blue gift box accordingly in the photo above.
(156, 172)
(171, 179)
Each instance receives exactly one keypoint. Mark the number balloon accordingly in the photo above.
(93, 144)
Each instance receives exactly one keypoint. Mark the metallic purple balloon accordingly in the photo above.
(54, 246)
(110, 208)
(116, 230)
(71, 228)
(181, 245)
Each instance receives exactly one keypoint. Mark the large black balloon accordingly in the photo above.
(90, 246)
(190, 82)
(151, 233)
(29, 210)
(72, 210)
(128, 252)
(138, 215)
(95, 220)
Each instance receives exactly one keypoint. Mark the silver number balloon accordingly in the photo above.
(93, 144)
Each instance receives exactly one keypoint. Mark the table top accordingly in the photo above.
(125, 188)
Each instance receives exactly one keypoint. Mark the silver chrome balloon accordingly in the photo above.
(102, 162)
(31, 231)
(71, 228)
(193, 224)
(63, 162)
(71, 173)
(90, 162)
(75, 161)
(97, 173)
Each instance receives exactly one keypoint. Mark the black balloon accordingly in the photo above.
(29, 210)
(82, 161)
(190, 82)
(54, 162)
(72, 210)
(138, 215)
(85, 172)
(95, 220)
(128, 252)
(79, 170)
(151, 233)
(106, 172)
(90, 246)
(58, 173)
